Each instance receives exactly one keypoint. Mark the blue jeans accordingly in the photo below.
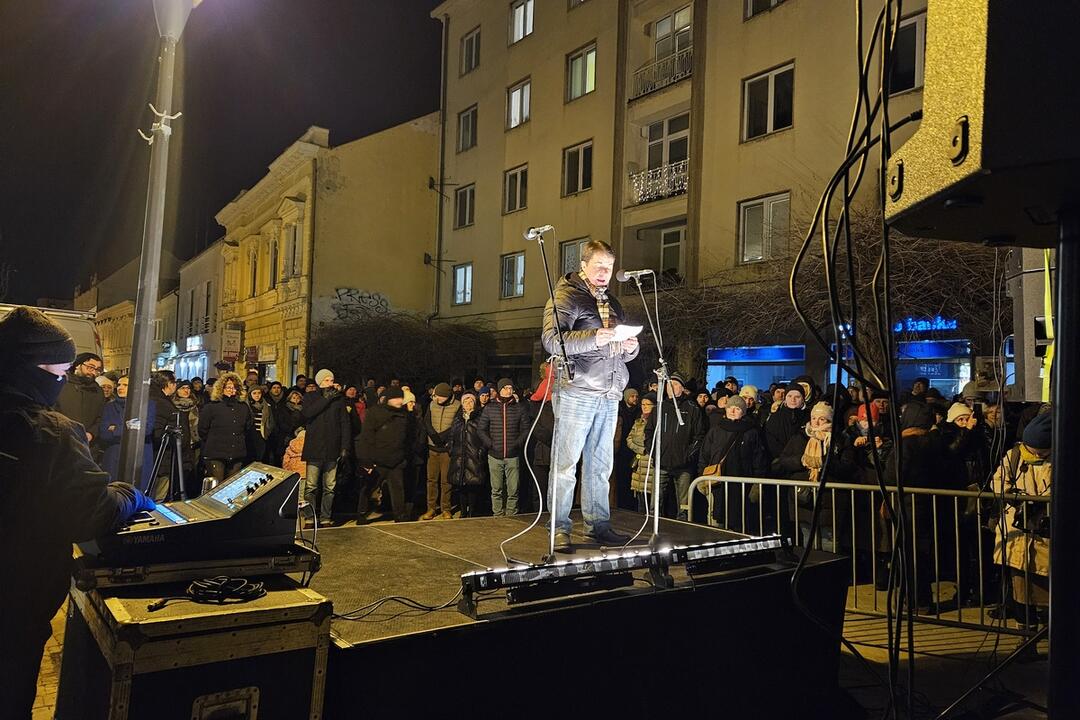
(326, 472)
(585, 430)
(504, 485)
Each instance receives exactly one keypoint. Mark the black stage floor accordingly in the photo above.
(731, 644)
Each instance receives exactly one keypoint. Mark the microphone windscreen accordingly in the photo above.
(621, 276)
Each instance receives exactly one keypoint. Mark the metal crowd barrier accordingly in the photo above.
(855, 527)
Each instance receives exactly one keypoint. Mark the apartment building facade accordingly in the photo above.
(198, 341)
(713, 128)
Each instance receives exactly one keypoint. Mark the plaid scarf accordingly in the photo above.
(603, 308)
(600, 293)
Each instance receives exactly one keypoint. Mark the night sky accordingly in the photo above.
(76, 76)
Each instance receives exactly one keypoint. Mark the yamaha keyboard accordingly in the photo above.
(251, 513)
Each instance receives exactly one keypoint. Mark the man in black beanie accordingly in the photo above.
(51, 495)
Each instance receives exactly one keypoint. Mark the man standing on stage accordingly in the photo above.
(586, 409)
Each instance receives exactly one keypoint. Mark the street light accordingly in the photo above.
(171, 17)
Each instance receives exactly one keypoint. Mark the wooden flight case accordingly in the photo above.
(258, 660)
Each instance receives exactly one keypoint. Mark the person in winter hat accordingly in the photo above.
(329, 440)
(53, 494)
(435, 427)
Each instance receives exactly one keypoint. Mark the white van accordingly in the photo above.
(78, 323)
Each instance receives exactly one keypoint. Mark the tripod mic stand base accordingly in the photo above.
(658, 575)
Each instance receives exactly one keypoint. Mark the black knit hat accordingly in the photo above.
(442, 390)
(503, 382)
(30, 336)
(393, 393)
(1039, 432)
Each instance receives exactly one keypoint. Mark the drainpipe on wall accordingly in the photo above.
(437, 264)
(311, 267)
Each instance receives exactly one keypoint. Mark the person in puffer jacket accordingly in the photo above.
(587, 404)
(503, 426)
(468, 459)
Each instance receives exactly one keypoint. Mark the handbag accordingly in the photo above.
(717, 468)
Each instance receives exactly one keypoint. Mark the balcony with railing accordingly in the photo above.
(662, 72)
(659, 183)
(199, 326)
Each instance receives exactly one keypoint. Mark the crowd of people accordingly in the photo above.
(443, 450)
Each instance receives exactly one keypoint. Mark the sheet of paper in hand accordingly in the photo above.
(625, 332)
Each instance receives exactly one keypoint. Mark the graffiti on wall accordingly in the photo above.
(353, 304)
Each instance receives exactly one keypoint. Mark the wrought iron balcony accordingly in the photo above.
(659, 183)
(663, 72)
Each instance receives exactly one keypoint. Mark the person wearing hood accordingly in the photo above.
(1023, 534)
(503, 426)
(435, 429)
(53, 494)
(276, 394)
(224, 424)
(112, 429)
(733, 447)
(199, 391)
(468, 459)
(382, 450)
(262, 425)
(81, 399)
(184, 402)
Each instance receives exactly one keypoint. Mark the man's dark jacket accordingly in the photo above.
(329, 428)
(679, 444)
(384, 439)
(51, 495)
(82, 400)
(503, 427)
(596, 370)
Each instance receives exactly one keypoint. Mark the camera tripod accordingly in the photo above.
(172, 437)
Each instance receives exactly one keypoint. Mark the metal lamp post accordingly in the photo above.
(171, 16)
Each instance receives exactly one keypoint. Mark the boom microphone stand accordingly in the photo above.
(562, 364)
(662, 380)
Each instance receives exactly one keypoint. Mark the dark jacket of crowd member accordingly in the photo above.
(740, 444)
(52, 495)
(110, 433)
(82, 400)
(224, 423)
(785, 422)
(504, 423)
(288, 416)
(468, 460)
(384, 438)
(679, 444)
(329, 431)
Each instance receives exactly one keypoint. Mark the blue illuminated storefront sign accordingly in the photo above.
(758, 354)
(934, 324)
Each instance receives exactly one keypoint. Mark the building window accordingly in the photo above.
(673, 32)
(671, 255)
(466, 129)
(273, 264)
(254, 272)
(669, 141)
(292, 251)
(754, 7)
(191, 312)
(570, 255)
(513, 275)
(581, 72)
(521, 20)
(577, 168)
(294, 363)
(909, 55)
(470, 51)
(464, 206)
(463, 284)
(517, 103)
(208, 306)
(767, 102)
(515, 189)
(763, 227)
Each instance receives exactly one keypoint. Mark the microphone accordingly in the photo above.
(625, 275)
(535, 232)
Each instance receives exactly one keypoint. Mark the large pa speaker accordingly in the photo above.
(997, 153)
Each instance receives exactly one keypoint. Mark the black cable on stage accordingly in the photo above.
(363, 611)
(220, 590)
